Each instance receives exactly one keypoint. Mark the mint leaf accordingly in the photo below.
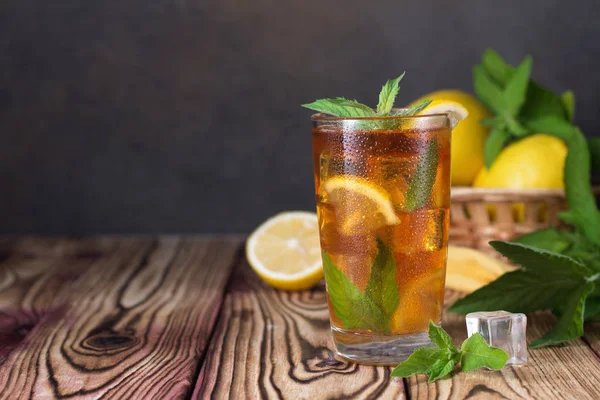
(440, 338)
(552, 125)
(583, 212)
(546, 264)
(594, 146)
(568, 100)
(352, 307)
(487, 90)
(388, 94)
(516, 291)
(496, 67)
(548, 239)
(444, 365)
(412, 110)
(540, 102)
(476, 353)
(516, 89)
(592, 308)
(494, 144)
(341, 107)
(422, 182)
(419, 362)
(382, 288)
(570, 324)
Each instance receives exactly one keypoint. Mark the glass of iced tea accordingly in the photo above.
(383, 194)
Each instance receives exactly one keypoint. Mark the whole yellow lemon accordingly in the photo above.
(537, 161)
(467, 138)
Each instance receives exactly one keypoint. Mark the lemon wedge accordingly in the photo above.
(285, 251)
(361, 205)
(456, 111)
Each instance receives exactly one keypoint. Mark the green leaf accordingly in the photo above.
(582, 203)
(494, 144)
(570, 323)
(496, 67)
(592, 309)
(546, 264)
(552, 125)
(548, 239)
(594, 145)
(516, 89)
(540, 102)
(352, 307)
(341, 107)
(494, 122)
(440, 338)
(382, 288)
(515, 126)
(388, 94)
(412, 110)
(489, 93)
(444, 365)
(476, 353)
(419, 362)
(422, 182)
(568, 100)
(516, 291)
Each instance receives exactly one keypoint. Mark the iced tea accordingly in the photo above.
(383, 195)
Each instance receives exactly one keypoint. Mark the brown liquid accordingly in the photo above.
(386, 160)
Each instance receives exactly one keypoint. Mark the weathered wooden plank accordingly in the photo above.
(111, 318)
(571, 371)
(277, 344)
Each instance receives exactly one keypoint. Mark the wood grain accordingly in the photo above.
(111, 318)
(276, 344)
(571, 371)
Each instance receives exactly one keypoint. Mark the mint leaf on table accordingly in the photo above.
(440, 337)
(476, 353)
(422, 181)
(494, 144)
(568, 100)
(388, 94)
(550, 239)
(570, 323)
(355, 309)
(341, 107)
(419, 362)
(382, 288)
(543, 262)
(544, 282)
(440, 361)
(515, 91)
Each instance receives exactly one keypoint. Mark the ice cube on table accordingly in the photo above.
(501, 329)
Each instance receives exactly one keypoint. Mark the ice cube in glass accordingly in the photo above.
(501, 329)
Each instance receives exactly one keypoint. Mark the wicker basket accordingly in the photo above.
(473, 223)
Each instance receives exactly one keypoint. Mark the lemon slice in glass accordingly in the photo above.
(456, 111)
(361, 206)
(285, 251)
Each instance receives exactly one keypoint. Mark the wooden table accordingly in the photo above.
(170, 317)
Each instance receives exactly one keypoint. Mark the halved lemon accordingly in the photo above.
(361, 205)
(456, 111)
(285, 251)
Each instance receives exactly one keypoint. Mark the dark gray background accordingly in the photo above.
(183, 115)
